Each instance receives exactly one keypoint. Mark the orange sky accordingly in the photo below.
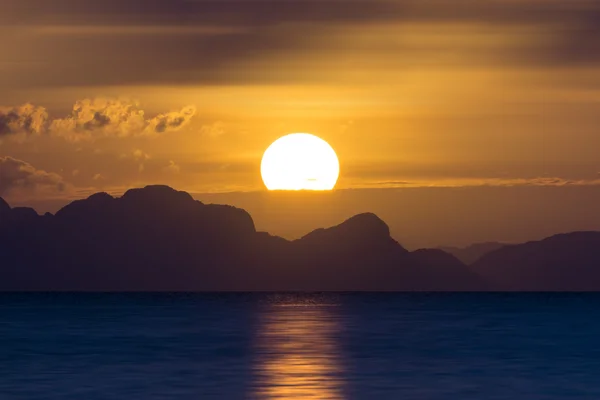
(411, 94)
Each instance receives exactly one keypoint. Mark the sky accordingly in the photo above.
(455, 121)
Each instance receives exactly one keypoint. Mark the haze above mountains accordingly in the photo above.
(159, 239)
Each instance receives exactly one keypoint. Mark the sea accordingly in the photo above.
(300, 346)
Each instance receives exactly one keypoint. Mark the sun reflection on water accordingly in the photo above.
(298, 354)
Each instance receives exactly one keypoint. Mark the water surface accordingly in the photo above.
(299, 346)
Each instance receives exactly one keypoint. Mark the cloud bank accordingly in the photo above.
(91, 119)
(227, 40)
(472, 182)
(101, 117)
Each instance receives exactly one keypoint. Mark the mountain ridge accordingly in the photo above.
(159, 239)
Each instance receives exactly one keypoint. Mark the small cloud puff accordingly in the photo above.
(215, 129)
(171, 121)
(139, 155)
(172, 167)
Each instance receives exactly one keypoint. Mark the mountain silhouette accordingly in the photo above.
(473, 252)
(160, 239)
(569, 262)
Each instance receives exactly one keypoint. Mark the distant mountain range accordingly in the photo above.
(472, 253)
(160, 239)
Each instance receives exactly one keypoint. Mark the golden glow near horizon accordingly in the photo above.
(300, 161)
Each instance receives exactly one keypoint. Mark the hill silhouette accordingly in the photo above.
(160, 239)
(569, 262)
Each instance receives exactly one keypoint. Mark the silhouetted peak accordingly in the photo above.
(158, 198)
(100, 197)
(366, 222)
(156, 193)
(362, 229)
(86, 207)
(23, 214)
(366, 225)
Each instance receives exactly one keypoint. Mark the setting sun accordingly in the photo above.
(300, 161)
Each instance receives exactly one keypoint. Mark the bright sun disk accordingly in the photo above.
(300, 161)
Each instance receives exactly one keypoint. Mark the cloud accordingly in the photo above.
(549, 33)
(18, 175)
(98, 177)
(134, 30)
(91, 118)
(171, 121)
(493, 182)
(107, 117)
(172, 167)
(215, 129)
(22, 120)
(140, 157)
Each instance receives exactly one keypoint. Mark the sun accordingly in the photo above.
(300, 161)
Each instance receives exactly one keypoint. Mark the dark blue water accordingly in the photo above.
(281, 346)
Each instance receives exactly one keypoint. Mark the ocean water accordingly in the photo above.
(300, 346)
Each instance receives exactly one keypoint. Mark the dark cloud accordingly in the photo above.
(79, 36)
(25, 119)
(17, 175)
(258, 13)
(241, 12)
(99, 120)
